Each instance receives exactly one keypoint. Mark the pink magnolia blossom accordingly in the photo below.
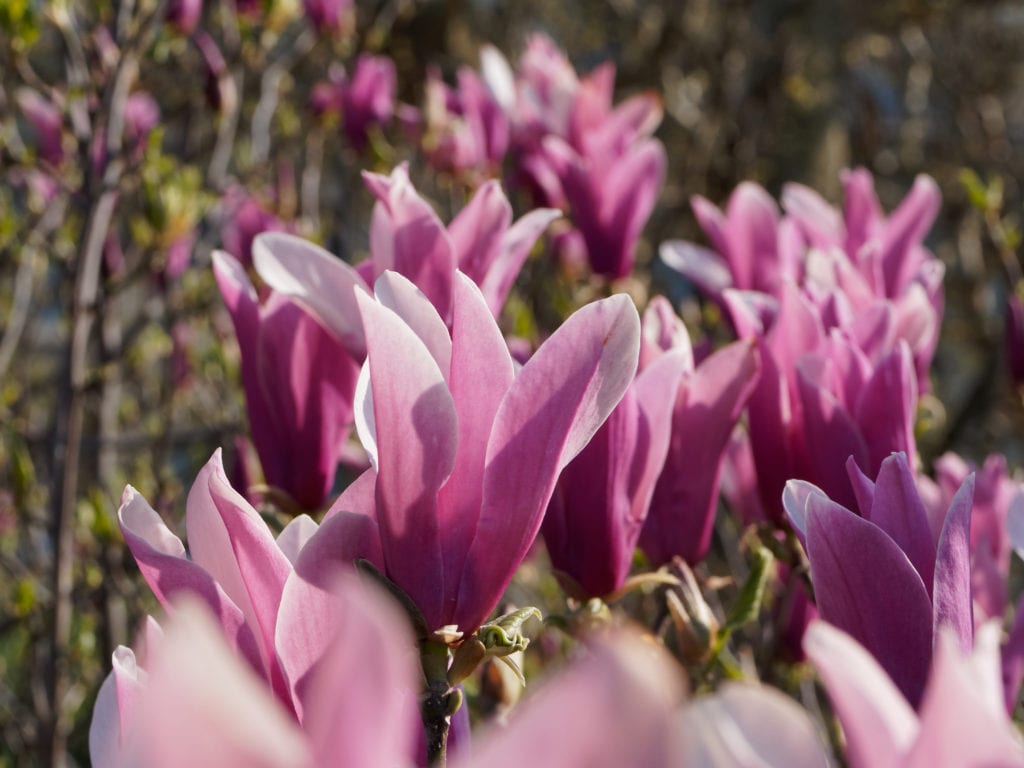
(467, 131)
(184, 15)
(823, 395)
(881, 576)
(465, 450)
(581, 152)
(299, 382)
(850, 263)
(364, 100)
(960, 722)
(46, 121)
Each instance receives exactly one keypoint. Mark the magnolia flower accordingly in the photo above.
(880, 575)
(849, 263)
(299, 383)
(960, 722)
(467, 132)
(465, 450)
(823, 395)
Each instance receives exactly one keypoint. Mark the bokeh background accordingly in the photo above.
(117, 360)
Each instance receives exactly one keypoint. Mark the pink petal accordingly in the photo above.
(202, 707)
(515, 246)
(482, 373)
(417, 437)
(294, 536)
(865, 585)
(709, 404)
(961, 723)
(704, 267)
(315, 278)
(878, 722)
(746, 726)
(952, 590)
(230, 540)
(407, 236)
(401, 296)
(356, 710)
(557, 402)
(610, 710)
(477, 230)
(161, 559)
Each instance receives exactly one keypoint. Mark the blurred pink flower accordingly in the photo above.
(960, 721)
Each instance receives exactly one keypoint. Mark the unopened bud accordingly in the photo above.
(695, 623)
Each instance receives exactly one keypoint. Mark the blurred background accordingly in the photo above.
(138, 136)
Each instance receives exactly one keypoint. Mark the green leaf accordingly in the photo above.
(748, 602)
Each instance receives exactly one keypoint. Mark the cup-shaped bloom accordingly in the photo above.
(880, 576)
(407, 236)
(368, 97)
(611, 189)
(299, 382)
(467, 129)
(465, 450)
(602, 498)
(707, 404)
(960, 721)
(197, 703)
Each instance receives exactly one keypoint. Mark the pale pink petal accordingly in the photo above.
(355, 709)
(612, 709)
(315, 278)
(407, 236)
(879, 724)
(557, 402)
(401, 296)
(961, 724)
(704, 267)
(954, 607)
(294, 536)
(748, 726)
(417, 438)
(203, 707)
(233, 543)
(481, 374)
(162, 561)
